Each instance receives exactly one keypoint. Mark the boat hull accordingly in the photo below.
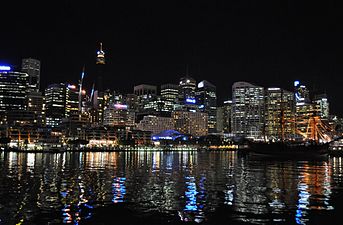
(288, 149)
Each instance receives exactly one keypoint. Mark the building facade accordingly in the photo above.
(32, 68)
(155, 124)
(247, 110)
(193, 123)
(279, 114)
(13, 91)
(206, 98)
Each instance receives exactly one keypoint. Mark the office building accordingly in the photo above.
(170, 96)
(187, 95)
(119, 115)
(247, 110)
(13, 90)
(55, 104)
(36, 104)
(279, 114)
(322, 104)
(32, 67)
(206, 98)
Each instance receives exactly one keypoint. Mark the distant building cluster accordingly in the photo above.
(64, 113)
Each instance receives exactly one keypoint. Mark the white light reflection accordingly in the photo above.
(30, 160)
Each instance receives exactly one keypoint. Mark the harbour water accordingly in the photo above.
(177, 187)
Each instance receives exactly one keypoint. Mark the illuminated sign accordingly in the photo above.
(71, 86)
(274, 89)
(296, 83)
(120, 106)
(5, 68)
(190, 100)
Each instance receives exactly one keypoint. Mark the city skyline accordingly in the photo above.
(154, 44)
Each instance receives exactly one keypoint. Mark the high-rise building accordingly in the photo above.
(302, 94)
(145, 90)
(206, 98)
(224, 117)
(193, 123)
(187, 96)
(322, 104)
(61, 101)
(146, 94)
(32, 68)
(55, 104)
(13, 89)
(247, 110)
(36, 104)
(304, 109)
(279, 114)
(132, 101)
(119, 115)
(71, 100)
(170, 95)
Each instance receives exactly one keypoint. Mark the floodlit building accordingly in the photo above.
(322, 105)
(170, 95)
(119, 115)
(247, 110)
(279, 114)
(193, 123)
(155, 124)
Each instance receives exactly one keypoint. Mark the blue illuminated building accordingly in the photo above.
(170, 135)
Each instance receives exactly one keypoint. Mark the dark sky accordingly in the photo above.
(270, 43)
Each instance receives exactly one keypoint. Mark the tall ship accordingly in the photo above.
(315, 141)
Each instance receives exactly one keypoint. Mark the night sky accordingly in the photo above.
(269, 43)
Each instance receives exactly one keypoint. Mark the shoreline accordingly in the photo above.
(152, 149)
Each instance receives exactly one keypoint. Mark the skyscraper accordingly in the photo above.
(279, 114)
(322, 104)
(302, 94)
(187, 98)
(170, 94)
(55, 104)
(13, 89)
(247, 110)
(145, 94)
(32, 68)
(206, 98)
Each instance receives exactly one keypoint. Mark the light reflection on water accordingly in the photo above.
(193, 186)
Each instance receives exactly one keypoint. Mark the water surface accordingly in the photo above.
(168, 188)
